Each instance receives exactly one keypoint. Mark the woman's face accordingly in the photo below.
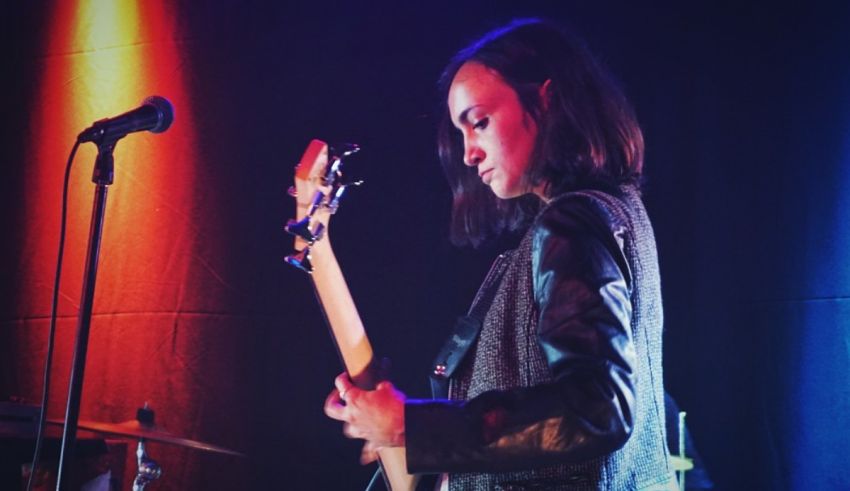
(498, 135)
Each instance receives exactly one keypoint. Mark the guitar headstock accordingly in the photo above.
(308, 180)
(317, 191)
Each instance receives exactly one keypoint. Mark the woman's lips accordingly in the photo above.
(486, 176)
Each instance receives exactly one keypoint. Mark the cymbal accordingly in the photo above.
(134, 429)
(681, 463)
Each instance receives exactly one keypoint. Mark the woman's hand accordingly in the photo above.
(376, 416)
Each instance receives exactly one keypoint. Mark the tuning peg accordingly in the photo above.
(337, 152)
(318, 200)
(342, 150)
(301, 260)
(301, 228)
(334, 203)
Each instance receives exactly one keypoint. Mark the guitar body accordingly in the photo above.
(346, 328)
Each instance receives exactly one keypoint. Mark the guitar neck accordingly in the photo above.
(341, 314)
(354, 348)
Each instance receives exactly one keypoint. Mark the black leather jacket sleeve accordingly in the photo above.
(582, 293)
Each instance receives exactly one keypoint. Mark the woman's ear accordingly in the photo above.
(545, 94)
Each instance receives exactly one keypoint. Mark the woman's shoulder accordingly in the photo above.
(581, 224)
(594, 208)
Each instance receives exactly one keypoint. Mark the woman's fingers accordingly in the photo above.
(376, 416)
(344, 386)
(369, 454)
(334, 406)
(352, 431)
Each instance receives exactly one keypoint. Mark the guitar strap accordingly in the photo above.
(466, 329)
(463, 336)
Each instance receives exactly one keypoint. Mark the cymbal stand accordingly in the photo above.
(148, 469)
(681, 473)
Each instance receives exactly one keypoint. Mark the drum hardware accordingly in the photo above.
(147, 469)
(144, 428)
(681, 463)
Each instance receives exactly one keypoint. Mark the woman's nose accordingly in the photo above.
(473, 155)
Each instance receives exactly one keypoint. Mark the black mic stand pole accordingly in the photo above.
(102, 177)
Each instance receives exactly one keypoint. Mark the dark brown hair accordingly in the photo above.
(588, 136)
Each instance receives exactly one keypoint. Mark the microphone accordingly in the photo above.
(155, 115)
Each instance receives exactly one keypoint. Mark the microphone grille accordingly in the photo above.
(164, 110)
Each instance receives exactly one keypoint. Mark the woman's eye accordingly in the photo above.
(481, 123)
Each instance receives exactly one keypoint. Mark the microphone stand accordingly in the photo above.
(102, 177)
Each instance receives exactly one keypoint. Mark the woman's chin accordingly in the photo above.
(498, 190)
(503, 193)
(500, 193)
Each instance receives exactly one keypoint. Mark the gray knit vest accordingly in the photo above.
(507, 355)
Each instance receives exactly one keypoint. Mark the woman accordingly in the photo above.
(554, 378)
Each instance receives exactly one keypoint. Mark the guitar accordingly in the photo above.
(317, 195)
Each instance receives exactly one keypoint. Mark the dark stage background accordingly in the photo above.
(746, 113)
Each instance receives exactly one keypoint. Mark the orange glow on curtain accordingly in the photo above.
(101, 59)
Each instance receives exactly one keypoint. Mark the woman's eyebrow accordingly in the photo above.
(464, 115)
